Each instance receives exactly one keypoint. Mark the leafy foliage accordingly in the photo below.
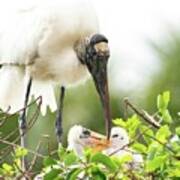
(159, 148)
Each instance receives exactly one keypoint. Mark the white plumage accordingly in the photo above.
(119, 147)
(40, 36)
(79, 138)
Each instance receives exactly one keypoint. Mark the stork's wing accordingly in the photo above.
(25, 24)
(21, 32)
(24, 29)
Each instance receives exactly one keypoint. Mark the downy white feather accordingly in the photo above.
(40, 35)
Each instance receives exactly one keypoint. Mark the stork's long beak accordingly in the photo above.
(99, 74)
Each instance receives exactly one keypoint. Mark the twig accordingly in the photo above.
(33, 102)
(119, 149)
(35, 157)
(163, 144)
(4, 118)
(30, 124)
(15, 146)
(35, 115)
(148, 118)
(23, 173)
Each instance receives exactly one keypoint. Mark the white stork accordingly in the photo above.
(119, 147)
(47, 43)
(80, 137)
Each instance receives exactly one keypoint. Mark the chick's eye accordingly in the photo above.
(121, 138)
(86, 132)
(115, 136)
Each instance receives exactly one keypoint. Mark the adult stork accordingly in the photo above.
(48, 43)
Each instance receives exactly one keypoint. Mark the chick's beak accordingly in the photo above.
(99, 142)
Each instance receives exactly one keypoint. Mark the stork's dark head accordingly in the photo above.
(94, 53)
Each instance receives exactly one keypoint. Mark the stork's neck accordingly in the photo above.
(80, 49)
(78, 148)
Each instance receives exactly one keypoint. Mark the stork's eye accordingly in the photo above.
(115, 136)
(85, 134)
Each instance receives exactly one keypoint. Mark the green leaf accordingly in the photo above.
(132, 125)
(125, 158)
(119, 122)
(175, 146)
(52, 174)
(148, 131)
(178, 131)
(174, 172)
(70, 158)
(61, 151)
(140, 147)
(157, 162)
(72, 175)
(105, 160)
(87, 153)
(163, 101)
(166, 98)
(97, 174)
(163, 133)
(8, 168)
(153, 149)
(176, 163)
(160, 103)
(166, 116)
(19, 152)
(48, 161)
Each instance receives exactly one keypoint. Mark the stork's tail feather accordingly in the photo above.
(13, 85)
(12, 88)
(46, 91)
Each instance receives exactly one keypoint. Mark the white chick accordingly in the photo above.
(80, 137)
(119, 147)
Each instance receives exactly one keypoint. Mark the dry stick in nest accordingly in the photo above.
(32, 120)
(4, 117)
(30, 124)
(23, 174)
(35, 157)
(35, 116)
(7, 116)
(16, 146)
(147, 117)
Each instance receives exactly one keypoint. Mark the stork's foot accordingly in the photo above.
(58, 124)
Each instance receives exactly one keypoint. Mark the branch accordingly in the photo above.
(15, 146)
(35, 157)
(143, 114)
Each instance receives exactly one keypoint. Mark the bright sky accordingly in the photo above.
(129, 24)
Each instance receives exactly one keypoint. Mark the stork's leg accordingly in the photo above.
(23, 123)
(58, 125)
